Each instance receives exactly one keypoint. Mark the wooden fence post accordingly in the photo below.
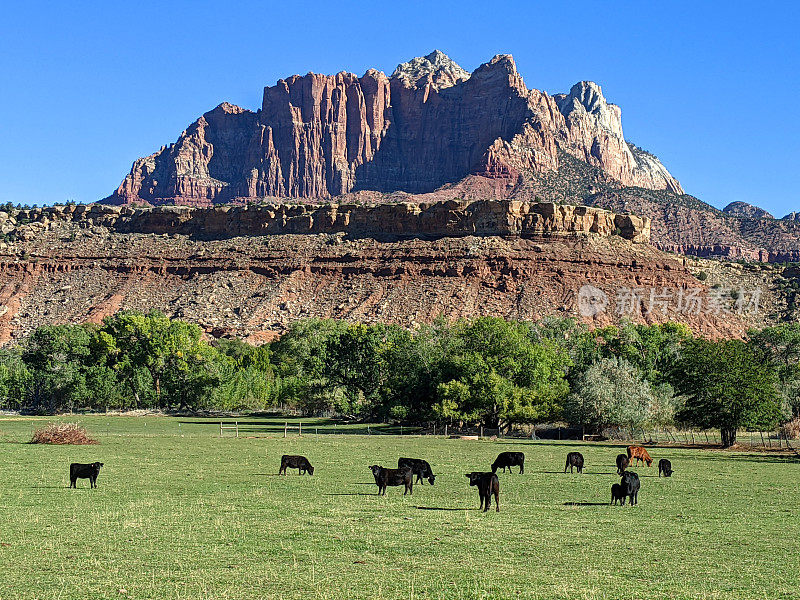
(220, 429)
(285, 428)
(237, 430)
(445, 430)
(300, 428)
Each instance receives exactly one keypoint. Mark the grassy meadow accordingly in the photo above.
(181, 513)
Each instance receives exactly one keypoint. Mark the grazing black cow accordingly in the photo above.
(385, 477)
(664, 466)
(84, 471)
(622, 463)
(574, 459)
(508, 460)
(488, 484)
(418, 467)
(293, 461)
(630, 487)
(616, 494)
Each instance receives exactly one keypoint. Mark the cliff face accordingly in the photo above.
(430, 124)
(251, 272)
(594, 128)
(382, 221)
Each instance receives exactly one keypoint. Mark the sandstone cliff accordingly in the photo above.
(383, 221)
(250, 271)
(430, 124)
(595, 136)
(433, 132)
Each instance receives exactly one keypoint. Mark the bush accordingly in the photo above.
(791, 430)
(62, 433)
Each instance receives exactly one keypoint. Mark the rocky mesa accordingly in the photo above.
(250, 271)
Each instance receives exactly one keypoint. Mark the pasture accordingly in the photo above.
(181, 513)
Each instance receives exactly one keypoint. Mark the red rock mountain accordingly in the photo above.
(434, 132)
(429, 124)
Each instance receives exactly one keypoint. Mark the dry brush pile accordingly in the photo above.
(62, 433)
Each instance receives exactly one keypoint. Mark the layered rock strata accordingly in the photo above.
(62, 270)
(405, 220)
(430, 124)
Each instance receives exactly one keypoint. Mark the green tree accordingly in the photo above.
(503, 376)
(614, 392)
(652, 349)
(728, 385)
(247, 376)
(182, 367)
(56, 356)
(303, 357)
(15, 379)
(782, 345)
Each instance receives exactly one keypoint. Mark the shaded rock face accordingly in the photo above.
(430, 124)
(748, 211)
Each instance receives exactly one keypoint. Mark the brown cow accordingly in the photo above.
(639, 453)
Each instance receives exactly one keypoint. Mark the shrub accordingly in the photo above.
(62, 433)
(791, 430)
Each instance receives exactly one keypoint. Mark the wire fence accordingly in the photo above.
(685, 437)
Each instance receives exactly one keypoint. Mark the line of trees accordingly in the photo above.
(486, 370)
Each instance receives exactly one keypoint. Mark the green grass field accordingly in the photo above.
(181, 513)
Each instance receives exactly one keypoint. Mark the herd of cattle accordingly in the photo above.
(487, 482)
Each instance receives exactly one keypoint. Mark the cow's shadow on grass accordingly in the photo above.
(351, 494)
(584, 473)
(766, 458)
(442, 508)
(586, 504)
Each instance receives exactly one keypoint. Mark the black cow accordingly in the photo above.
(574, 460)
(418, 467)
(385, 477)
(488, 484)
(622, 463)
(293, 461)
(616, 494)
(508, 460)
(84, 471)
(664, 466)
(630, 487)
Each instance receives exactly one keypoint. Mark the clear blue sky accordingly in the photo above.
(711, 88)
